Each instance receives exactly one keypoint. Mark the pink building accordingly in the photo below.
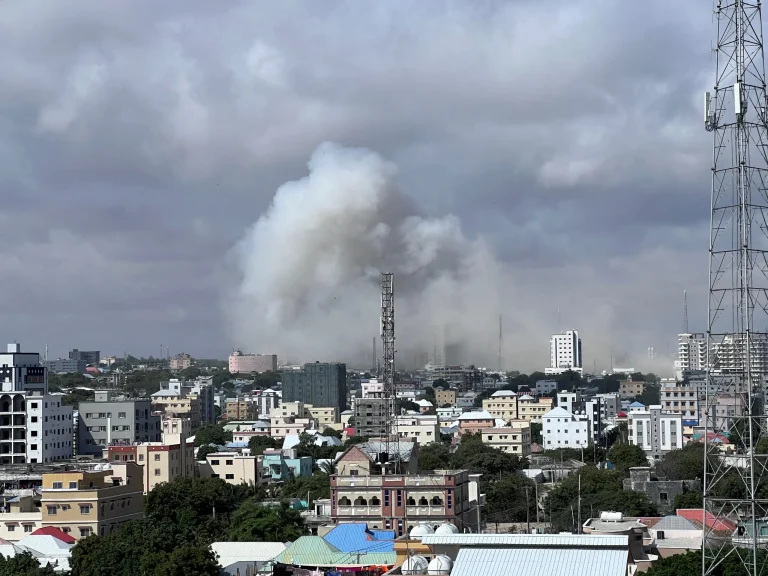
(240, 363)
(475, 421)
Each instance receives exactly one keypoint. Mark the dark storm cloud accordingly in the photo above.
(141, 139)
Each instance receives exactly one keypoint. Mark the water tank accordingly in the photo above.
(446, 529)
(440, 564)
(611, 516)
(421, 530)
(415, 565)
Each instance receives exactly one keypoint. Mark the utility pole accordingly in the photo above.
(527, 511)
(536, 495)
(578, 528)
(736, 113)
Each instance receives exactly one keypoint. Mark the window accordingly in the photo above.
(33, 419)
(354, 472)
(33, 405)
(10, 528)
(85, 508)
(214, 462)
(121, 414)
(386, 497)
(663, 496)
(157, 457)
(230, 476)
(157, 471)
(230, 462)
(28, 527)
(51, 510)
(85, 532)
(58, 485)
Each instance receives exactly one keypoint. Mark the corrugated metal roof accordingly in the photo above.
(231, 552)
(314, 551)
(540, 562)
(581, 540)
(675, 523)
(355, 537)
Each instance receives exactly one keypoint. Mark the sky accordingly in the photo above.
(553, 153)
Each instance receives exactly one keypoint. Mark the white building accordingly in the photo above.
(565, 351)
(267, 400)
(655, 431)
(419, 428)
(372, 388)
(513, 439)
(49, 428)
(728, 355)
(569, 401)
(691, 353)
(561, 429)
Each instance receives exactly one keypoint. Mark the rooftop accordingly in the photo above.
(356, 537)
(476, 415)
(527, 540)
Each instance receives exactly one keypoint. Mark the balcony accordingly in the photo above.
(419, 511)
(347, 511)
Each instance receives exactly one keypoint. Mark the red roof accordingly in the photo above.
(56, 533)
(621, 415)
(697, 514)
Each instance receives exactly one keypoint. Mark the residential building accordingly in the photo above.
(371, 388)
(562, 429)
(202, 388)
(181, 362)
(193, 399)
(466, 400)
(19, 516)
(371, 416)
(629, 389)
(22, 372)
(319, 384)
(266, 400)
(474, 422)
(610, 406)
(292, 418)
(680, 398)
(418, 428)
(545, 387)
(565, 351)
(728, 355)
(532, 409)
(451, 413)
(364, 491)
(65, 366)
(445, 396)
(81, 503)
(240, 408)
(176, 430)
(655, 431)
(727, 409)
(326, 416)
(569, 401)
(515, 438)
(87, 356)
(660, 492)
(281, 465)
(691, 353)
(232, 467)
(49, 429)
(172, 404)
(502, 404)
(114, 420)
(240, 363)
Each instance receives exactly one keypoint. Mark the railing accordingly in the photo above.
(425, 511)
(358, 511)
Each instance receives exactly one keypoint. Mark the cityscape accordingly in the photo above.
(421, 273)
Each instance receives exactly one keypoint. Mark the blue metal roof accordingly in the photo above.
(540, 561)
(356, 537)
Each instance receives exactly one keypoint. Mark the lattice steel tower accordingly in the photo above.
(388, 362)
(737, 358)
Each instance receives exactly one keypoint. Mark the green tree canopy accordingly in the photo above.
(317, 486)
(257, 444)
(23, 564)
(204, 450)
(332, 432)
(626, 456)
(254, 522)
(688, 500)
(685, 464)
(212, 434)
(536, 437)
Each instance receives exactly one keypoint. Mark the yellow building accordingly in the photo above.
(502, 404)
(232, 467)
(443, 397)
(240, 409)
(173, 405)
(82, 503)
(532, 410)
(513, 439)
(326, 416)
(18, 517)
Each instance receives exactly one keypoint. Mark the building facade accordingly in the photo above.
(561, 429)
(680, 398)
(418, 428)
(691, 353)
(87, 356)
(532, 409)
(240, 363)
(502, 404)
(371, 416)
(240, 408)
(445, 396)
(656, 431)
(629, 389)
(160, 462)
(319, 384)
(565, 351)
(65, 366)
(181, 362)
(513, 439)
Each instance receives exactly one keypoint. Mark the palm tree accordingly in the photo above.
(328, 467)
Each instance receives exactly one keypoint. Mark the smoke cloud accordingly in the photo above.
(310, 270)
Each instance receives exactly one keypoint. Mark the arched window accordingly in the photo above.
(375, 501)
(410, 501)
(436, 501)
(423, 501)
(344, 501)
(360, 501)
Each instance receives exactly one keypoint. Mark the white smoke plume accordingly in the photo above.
(310, 270)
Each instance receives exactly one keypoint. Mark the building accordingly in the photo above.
(418, 428)
(565, 351)
(371, 416)
(81, 503)
(363, 491)
(193, 399)
(445, 396)
(502, 404)
(240, 363)
(291, 418)
(112, 420)
(728, 355)
(281, 465)
(727, 409)
(232, 467)
(513, 439)
(325, 416)
(240, 408)
(87, 356)
(561, 429)
(266, 400)
(629, 389)
(545, 387)
(660, 492)
(474, 422)
(691, 353)
(680, 398)
(532, 409)
(65, 366)
(181, 362)
(655, 431)
(319, 384)
(172, 404)
(35, 427)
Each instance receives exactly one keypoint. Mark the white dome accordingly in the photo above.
(440, 564)
(446, 529)
(414, 565)
(421, 530)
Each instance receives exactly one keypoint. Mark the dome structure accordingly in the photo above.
(446, 529)
(415, 565)
(441, 564)
(421, 530)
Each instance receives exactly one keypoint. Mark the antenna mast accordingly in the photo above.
(737, 347)
(388, 363)
(501, 341)
(685, 311)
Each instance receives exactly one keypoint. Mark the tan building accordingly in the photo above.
(419, 428)
(443, 397)
(326, 416)
(159, 462)
(630, 389)
(295, 418)
(176, 430)
(532, 410)
(172, 405)
(181, 362)
(513, 439)
(240, 409)
(502, 404)
(82, 503)
(473, 422)
(19, 516)
(232, 467)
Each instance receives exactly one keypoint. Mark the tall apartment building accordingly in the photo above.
(502, 404)
(266, 400)
(240, 408)
(445, 396)
(34, 426)
(65, 366)
(171, 404)
(680, 398)
(112, 420)
(319, 384)
(655, 431)
(81, 503)
(565, 351)
(193, 399)
(240, 363)
(691, 353)
(728, 355)
(87, 356)
(371, 416)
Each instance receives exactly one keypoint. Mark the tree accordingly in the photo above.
(441, 383)
(536, 437)
(316, 486)
(434, 456)
(254, 522)
(332, 432)
(356, 439)
(506, 498)
(257, 444)
(403, 404)
(685, 464)
(688, 500)
(190, 373)
(690, 563)
(626, 456)
(204, 450)
(189, 560)
(212, 434)
(23, 564)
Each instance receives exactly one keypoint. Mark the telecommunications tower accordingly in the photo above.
(735, 112)
(388, 365)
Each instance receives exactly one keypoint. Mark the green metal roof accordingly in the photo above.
(315, 551)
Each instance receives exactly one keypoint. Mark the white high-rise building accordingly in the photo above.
(728, 356)
(691, 353)
(655, 431)
(565, 351)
